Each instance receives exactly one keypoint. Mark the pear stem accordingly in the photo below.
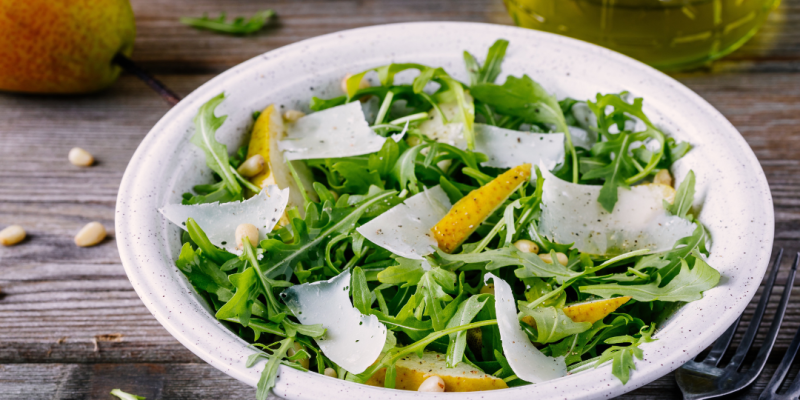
(129, 66)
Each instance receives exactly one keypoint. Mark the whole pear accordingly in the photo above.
(63, 46)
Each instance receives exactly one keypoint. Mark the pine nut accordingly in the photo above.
(248, 231)
(293, 115)
(80, 157)
(663, 178)
(331, 372)
(432, 384)
(363, 85)
(296, 349)
(488, 289)
(252, 166)
(562, 258)
(91, 234)
(526, 246)
(12, 235)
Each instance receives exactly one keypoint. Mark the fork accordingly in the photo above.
(704, 379)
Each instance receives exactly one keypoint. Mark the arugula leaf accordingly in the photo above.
(466, 312)
(408, 272)
(362, 297)
(553, 325)
(357, 176)
(239, 306)
(404, 169)
(622, 357)
(205, 126)
(239, 26)
(432, 287)
(311, 234)
(199, 238)
(203, 273)
(270, 372)
(683, 197)
(614, 173)
(531, 264)
(491, 66)
(383, 161)
(524, 97)
(688, 285)
(125, 396)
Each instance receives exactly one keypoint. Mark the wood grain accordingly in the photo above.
(56, 299)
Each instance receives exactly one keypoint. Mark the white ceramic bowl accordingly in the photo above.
(733, 194)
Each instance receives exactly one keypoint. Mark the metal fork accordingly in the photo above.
(705, 380)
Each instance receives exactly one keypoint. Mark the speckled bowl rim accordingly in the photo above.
(146, 243)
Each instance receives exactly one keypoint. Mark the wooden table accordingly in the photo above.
(71, 326)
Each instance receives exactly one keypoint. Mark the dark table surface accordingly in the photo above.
(71, 326)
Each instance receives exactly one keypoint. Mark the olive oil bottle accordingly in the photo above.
(667, 34)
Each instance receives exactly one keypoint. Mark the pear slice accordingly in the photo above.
(267, 131)
(590, 311)
(412, 371)
(594, 311)
(469, 212)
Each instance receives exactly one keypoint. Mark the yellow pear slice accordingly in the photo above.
(594, 311)
(412, 371)
(267, 131)
(469, 212)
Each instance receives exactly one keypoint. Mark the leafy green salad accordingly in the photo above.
(420, 232)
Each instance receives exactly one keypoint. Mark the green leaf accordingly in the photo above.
(357, 177)
(318, 104)
(614, 173)
(126, 396)
(452, 192)
(524, 97)
(553, 325)
(362, 297)
(532, 265)
(622, 357)
(404, 169)
(432, 287)
(312, 234)
(270, 372)
(465, 313)
(239, 306)
(239, 26)
(688, 285)
(383, 161)
(408, 272)
(494, 59)
(684, 197)
(203, 273)
(205, 127)
(199, 237)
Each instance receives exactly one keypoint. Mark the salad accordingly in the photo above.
(423, 233)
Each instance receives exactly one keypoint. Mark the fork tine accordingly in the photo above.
(721, 345)
(783, 368)
(769, 341)
(752, 329)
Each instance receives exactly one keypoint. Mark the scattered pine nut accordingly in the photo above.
(293, 115)
(252, 166)
(663, 177)
(248, 231)
(432, 384)
(331, 372)
(12, 235)
(526, 246)
(80, 157)
(562, 258)
(363, 85)
(488, 289)
(296, 347)
(91, 234)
